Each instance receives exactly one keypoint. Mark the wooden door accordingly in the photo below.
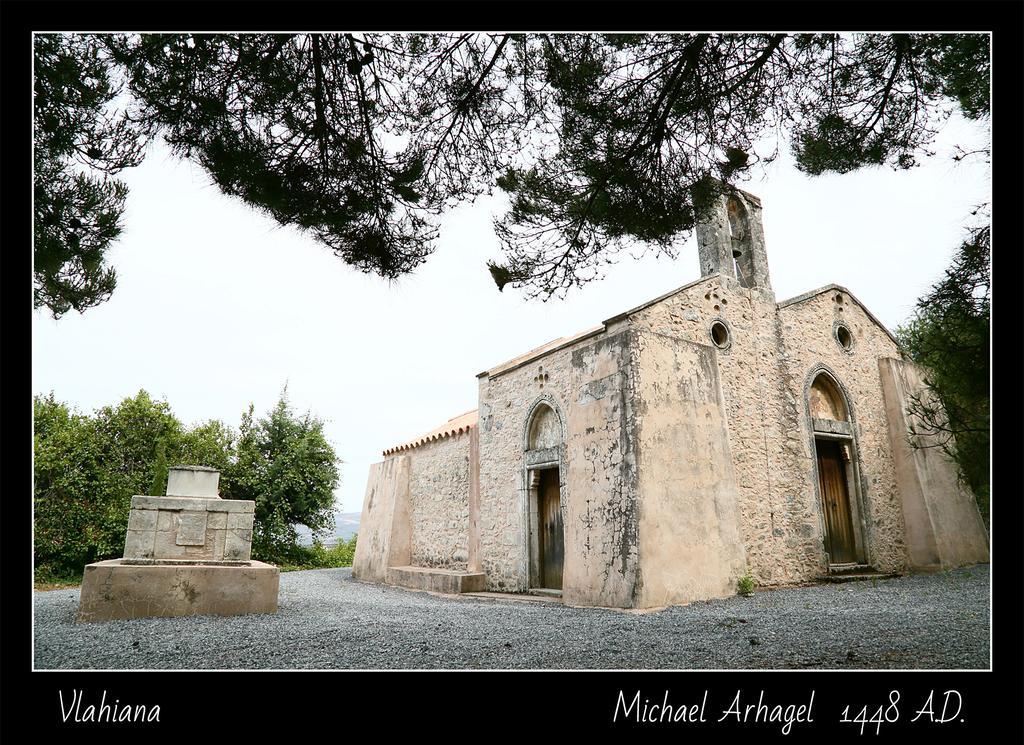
(552, 541)
(835, 498)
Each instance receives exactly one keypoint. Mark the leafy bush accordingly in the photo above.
(46, 577)
(285, 464)
(88, 467)
(319, 556)
(86, 471)
(949, 335)
(745, 585)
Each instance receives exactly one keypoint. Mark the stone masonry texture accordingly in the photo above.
(764, 370)
(181, 528)
(439, 503)
(685, 447)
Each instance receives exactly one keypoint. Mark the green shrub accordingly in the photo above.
(158, 487)
(319, 556)
(47, 575)
(83, 488)
(87, 467)
(745, 585)
(284, 464)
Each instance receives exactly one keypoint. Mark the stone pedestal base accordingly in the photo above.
(139, 588)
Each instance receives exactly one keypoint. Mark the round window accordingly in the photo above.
(720, 334)
(844, 337)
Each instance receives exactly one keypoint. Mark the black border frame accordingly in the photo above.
(308, 706)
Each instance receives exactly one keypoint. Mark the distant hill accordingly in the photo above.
(346, 525)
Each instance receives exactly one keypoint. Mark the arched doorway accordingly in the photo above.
(542, 457)
(837, 485)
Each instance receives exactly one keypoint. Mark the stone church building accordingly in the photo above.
(655, 459)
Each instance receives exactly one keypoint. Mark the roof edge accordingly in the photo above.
(562, 342)
(457, 425)
(835, 287)
(552, 346)
(666, 296)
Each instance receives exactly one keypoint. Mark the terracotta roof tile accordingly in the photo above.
(454, 426)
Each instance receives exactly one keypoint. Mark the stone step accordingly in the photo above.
(851, 568)
(544, 592)
(449, 581)
(516, 597)
(855, 576)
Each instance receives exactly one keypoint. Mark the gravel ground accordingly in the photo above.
(328, 620)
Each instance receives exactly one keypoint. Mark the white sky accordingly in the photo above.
(216, 306)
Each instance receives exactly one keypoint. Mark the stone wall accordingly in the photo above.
(690, 546)
(764, 368)
(384, 529)
(943, 526)
(189, 528)
(644, 524)
(810, 344)
(778, 522)
(588, 384)
(601, 513)
(439, 503)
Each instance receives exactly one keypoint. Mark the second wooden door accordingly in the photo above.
(552, 540)
(835, 499)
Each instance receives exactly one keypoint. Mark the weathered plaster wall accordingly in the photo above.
(439, 503)
(589, 384)
(601, 546)
(384, 528)
(943, 526)
(763, 372)
(505, 403)
(642, 526)
(808, 330)
(689, 539)
(778, 520)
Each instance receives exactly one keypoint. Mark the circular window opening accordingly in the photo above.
(844, 337)
(720, 334)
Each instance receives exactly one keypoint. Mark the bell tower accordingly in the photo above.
(730, 240)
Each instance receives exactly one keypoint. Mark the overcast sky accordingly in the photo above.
(216, 306)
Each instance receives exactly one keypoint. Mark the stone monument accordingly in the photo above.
(186, 553)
